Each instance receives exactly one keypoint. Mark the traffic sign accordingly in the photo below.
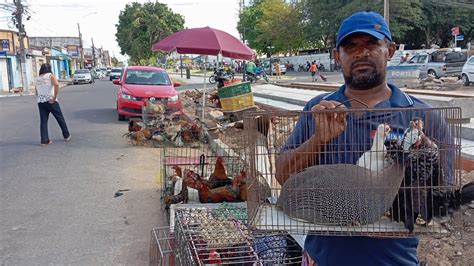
(460, 37)
(455, 31)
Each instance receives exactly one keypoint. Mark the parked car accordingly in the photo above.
(467, 74)
(440, 63)
(140, 84)
(115, 73)
(266, 67)
(109, 69)
(82, 76)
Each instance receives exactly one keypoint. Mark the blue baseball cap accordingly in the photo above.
(365, 22)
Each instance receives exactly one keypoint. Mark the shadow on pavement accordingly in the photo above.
(101, 115)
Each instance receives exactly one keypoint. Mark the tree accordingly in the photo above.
(115, 61)
(141, 25)
(272, 23)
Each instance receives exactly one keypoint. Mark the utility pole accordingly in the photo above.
(93, 53)
(386, 12)
(21, 34)
(81, 64)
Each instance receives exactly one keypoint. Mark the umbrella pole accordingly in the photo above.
(204, 90)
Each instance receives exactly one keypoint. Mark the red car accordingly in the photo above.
(140, 84)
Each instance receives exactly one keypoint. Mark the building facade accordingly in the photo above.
(10, 72)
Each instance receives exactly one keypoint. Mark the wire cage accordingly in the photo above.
(162, 246)
(382, 172)
(219, 236)
(204, 237)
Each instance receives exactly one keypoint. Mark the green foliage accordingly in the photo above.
(314, 23)
(115, 61)
(141, 25)
(272, 23)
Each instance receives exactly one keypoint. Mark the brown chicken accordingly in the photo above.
(229, 193)
(241, 182)
(219, 177)
(133, 126)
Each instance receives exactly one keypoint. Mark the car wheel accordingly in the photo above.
(465, 80)
(432, 73)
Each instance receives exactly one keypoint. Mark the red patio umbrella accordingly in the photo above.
(207, 41)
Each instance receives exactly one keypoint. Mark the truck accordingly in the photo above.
(439, 63)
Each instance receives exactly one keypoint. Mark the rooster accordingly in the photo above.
(140, 136)
(240, 181)
(228, 193)
(133, 126)
(420, 198)
(219, 177)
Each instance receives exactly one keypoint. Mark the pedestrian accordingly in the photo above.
(47, 89)
(404, 59)
(313, 69)
(363, 48)
(276, 65)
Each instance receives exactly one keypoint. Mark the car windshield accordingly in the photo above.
(118, 70)
(147, 77)
(82, 71)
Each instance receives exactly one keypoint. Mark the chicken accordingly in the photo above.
(139, 137)
(182, 196)
(219, 177)
(228, 193)
(241, 182)
(133, 126)
(420, 197)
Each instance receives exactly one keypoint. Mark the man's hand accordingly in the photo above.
(328, 125)
(52, 100)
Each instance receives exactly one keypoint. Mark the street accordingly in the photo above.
(57, 202)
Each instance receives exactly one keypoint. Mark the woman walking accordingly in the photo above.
(47, 89)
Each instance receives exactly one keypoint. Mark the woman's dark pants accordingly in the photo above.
(44, 110)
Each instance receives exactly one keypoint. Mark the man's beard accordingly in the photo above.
(366, 80)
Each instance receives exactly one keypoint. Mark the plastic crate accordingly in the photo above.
(236, 89)
(237, 103)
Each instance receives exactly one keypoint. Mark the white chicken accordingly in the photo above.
(374, 159)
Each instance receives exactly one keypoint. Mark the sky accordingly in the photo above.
(97, 18)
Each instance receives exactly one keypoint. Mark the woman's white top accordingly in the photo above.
(45, 88)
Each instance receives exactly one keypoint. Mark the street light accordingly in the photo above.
(271, 64)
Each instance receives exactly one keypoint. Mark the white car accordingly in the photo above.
(82, 76)
(467, 74)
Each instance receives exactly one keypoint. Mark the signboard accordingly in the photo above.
(73, 50)
(5, 45)
(403, 75)
(460, 37)
(403, 72)
(455, 31)
(3, 53)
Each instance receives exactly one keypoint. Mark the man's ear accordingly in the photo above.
(392, 47)
(335, 55)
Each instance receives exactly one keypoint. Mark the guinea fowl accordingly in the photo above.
(337, 194)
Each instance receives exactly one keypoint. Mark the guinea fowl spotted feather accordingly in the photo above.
(337, 194)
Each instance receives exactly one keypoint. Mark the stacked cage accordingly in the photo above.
(381, 172)
(162, 247)
(219, 236)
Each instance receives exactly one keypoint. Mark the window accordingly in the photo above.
(82, 71)
(147, 77)
(471, 61)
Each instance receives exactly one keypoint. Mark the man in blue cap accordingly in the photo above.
(363, 48)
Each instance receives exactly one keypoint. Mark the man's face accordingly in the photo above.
(363, 59)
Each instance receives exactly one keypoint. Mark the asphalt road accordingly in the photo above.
(57, 203)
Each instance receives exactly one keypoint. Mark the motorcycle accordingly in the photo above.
(219, 74)
(321, 67)
(259, 74)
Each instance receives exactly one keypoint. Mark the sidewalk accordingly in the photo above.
(3, 94)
